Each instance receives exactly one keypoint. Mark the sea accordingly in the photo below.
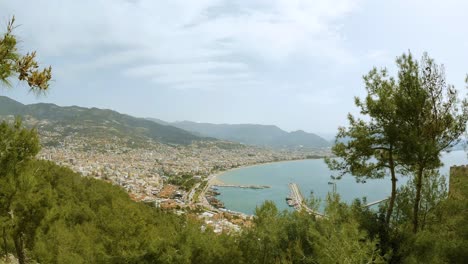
(313, 178)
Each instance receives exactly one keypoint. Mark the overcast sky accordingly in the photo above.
(296, 64)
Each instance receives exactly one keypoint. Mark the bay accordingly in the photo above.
(311, 176)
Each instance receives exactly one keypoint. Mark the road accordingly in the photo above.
(192, 192)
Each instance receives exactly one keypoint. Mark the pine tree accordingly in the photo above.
(19, 199)
(367, 149)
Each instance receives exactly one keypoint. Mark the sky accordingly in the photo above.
(296, 64)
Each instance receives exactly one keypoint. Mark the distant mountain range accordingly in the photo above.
(252, 134)
(97, 122)
(103, 122)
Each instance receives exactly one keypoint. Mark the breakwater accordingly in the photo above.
(242, 186)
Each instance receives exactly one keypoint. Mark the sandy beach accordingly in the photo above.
(214, 180)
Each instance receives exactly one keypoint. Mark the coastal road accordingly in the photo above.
(192, 192)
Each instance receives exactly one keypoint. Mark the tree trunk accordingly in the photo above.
(393, 195)
(19, 246)
(419, 176)
(264, 252)
(5, 248)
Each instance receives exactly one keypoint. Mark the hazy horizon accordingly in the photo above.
(293, 64)
(324, 135)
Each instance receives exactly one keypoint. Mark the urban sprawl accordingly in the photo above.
(172, 177)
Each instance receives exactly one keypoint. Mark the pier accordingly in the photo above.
(242, 186)
(297, 200)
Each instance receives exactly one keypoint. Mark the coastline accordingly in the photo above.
(368, 190)
(213, 179)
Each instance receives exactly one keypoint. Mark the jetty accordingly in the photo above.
(242, 186)
(376, 202)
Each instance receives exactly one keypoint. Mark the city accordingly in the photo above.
(149, 173)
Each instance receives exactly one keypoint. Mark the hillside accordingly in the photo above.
(252, 134)
(96, 122)
(458, 183)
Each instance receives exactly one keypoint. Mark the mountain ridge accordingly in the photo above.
(95, 122)
(255, 134)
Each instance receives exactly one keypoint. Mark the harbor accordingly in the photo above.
(310, 176)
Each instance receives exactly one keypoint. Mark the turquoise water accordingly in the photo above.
(310, 176)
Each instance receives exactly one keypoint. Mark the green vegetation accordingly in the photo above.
(71, 219)
(24, 67)
(185, 181)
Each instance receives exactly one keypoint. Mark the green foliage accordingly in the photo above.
(281, 237)
(434, 191)
(24, 67)
(185, 181)
(431, 117)
(366, 153)
(90, 221)
(411, 119)
(22, 197)
(339, 238)
(445, 234)
(371, 149)
(263, 243)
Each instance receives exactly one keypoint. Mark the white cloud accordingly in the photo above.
(194, 67)
(177, 42)
(280, 61)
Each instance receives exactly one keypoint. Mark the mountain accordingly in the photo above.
(159, 121)
(10, 107)
(96, 122)
(252, 134)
